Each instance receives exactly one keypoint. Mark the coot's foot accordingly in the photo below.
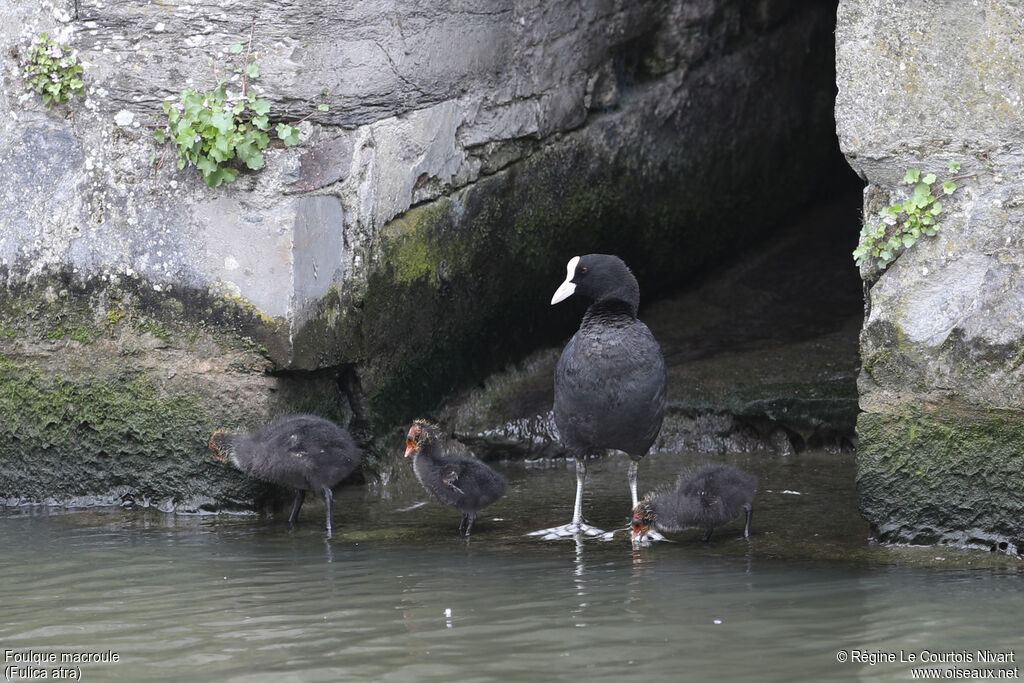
(648, 538)
(568, 531)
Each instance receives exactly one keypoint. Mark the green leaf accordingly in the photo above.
(949, 187)
(908, 241)
(252, 70)
(160, 135)
(252, 157)
(236, 48)
(323, 107)
(186, 137)
(911, 176)
(221, 175)
(930, 178)
(221, 149)
(936, 209)
(288, 134)
(954, 167)
(223, 121)
(261, 122)
(922, 193)
(260, 107)
(206, 166)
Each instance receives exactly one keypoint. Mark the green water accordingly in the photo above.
(395, 596)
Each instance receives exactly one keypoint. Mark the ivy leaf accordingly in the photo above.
(207, 167)
(160, 135)
(954, 167)
(948, 187)
(252, 157)
(911, 176)
(236, 48)
(908, 241)
(260, 107)
(289, 134)
(261, 122)
(922, 192)
(222, 174)
(221, 150)
(252, 70)
(186, 137)
(323, 107)
(930, 178)
(223, 122)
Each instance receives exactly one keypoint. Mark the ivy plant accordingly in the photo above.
(211, 129)
(899, 225)
(50, 69)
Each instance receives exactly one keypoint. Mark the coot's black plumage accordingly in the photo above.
(305, 452)
(610, 379)
(710, 497)
(465, 484)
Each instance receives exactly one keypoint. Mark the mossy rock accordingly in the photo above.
(943, 475)
(108, 395)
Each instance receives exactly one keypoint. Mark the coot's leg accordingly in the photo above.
(708, 534)
(652, 535)
(300, 496)
(632, 480)
(470, 518)
(581, 478)
(462, 522)
(577, 526)
(749, 509)
(329, 504)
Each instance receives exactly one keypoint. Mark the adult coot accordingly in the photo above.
(305, 452)
(462, 483)
(610, 379)
(714, 495)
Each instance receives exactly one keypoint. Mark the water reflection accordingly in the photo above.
(396, 595)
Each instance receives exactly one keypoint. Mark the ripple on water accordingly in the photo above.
(395, 596)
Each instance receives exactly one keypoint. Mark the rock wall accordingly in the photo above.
(407, 246)
(922, 84)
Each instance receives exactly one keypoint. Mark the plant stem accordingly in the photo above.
(248, 55)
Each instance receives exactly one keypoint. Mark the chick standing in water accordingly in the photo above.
(462, 483)
(305, 452)
(712, 496)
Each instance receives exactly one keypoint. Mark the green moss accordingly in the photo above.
(78, 436)
(411, 252)
(942, 473)
(108, 425)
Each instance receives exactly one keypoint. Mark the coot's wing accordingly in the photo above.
(450, 478)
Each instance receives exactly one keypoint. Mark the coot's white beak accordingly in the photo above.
(566, 289)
